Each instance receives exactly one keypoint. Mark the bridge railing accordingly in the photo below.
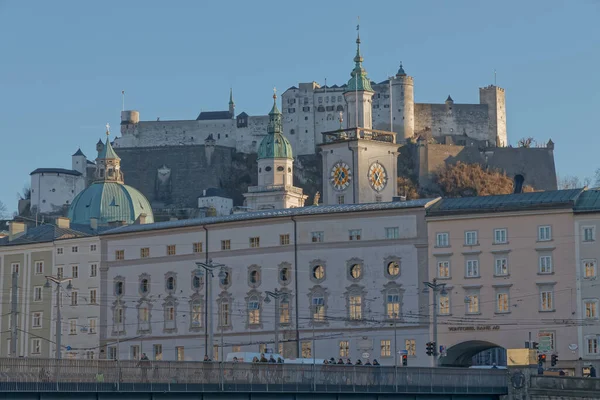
(566, 383)
(31, 374)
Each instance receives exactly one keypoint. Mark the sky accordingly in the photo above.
(63, 65)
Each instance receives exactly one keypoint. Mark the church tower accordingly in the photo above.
(359, 94)
(275, 188)
(403, 104)
(359, 163)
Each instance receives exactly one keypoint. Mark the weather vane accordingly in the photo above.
(107, 129)
(274, 92)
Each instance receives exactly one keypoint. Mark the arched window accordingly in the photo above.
(171, 283)
(392, 304)
(196, 282)
(284, 311)
(119, 288)
(144, 286)
(253, 310)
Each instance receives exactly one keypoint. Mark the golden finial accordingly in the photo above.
(107, 129)
(274, 93)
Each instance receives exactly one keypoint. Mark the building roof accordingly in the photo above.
(554, 199)
(108, 152)
(78, 153)
(43, 234)
(589, 201)
(213, 115)
(109, 202)
(56, 171)
(267, 214)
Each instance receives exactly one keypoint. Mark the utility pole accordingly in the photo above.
(58, 280)
(277, 295)
(209, 267)
(14, 314)
(437, 288)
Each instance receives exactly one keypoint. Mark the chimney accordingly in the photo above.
(63, 222)
(94, 224)
(16, 229)
(141, 220)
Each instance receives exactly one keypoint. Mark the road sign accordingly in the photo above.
(545, 344)
(68, 348)
(403, 352)
(366, 355)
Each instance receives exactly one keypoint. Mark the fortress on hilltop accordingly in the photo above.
(173, 162)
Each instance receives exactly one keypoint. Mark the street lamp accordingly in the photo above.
(441, 289)
(277, 295)
(58, 280)
(209, 267)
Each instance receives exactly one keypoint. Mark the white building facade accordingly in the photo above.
(348, 274)
(77, 261)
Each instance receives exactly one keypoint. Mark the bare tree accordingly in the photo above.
(525, 142)
(569, 182)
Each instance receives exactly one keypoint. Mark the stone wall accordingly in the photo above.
(191, 132)
(191, 171)
(536, 165)
(453, 119)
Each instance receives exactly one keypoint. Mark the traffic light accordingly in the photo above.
(541, 358)
(553, 359)
(535, 345)
(404, 360)
(430, 348)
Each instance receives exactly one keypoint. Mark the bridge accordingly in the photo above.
(32, 378)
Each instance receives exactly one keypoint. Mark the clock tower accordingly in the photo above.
(359, 163)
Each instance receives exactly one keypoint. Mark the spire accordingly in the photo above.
(358, 80)
(274, 117)
(108, 163)
(108, 153)
(231, 103)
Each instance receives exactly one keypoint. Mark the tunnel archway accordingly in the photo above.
(461, 354)
(518, 183)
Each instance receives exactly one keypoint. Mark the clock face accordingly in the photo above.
(377, 177)
(340, 176)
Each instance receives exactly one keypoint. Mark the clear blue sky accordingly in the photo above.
(63, 65)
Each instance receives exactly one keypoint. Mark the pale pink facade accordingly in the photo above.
(507, 274)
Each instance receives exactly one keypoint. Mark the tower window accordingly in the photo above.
(280, 169)
(292, 131)
(267, 169)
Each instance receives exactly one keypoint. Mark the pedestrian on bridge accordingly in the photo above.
(144, 364)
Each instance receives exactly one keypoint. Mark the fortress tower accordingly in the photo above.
(494, 97)
(403, 104)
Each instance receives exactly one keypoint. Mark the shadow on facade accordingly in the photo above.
(473, 352)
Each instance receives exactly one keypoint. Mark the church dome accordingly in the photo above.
(109, 202)
(275, 145)
(109, 199)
